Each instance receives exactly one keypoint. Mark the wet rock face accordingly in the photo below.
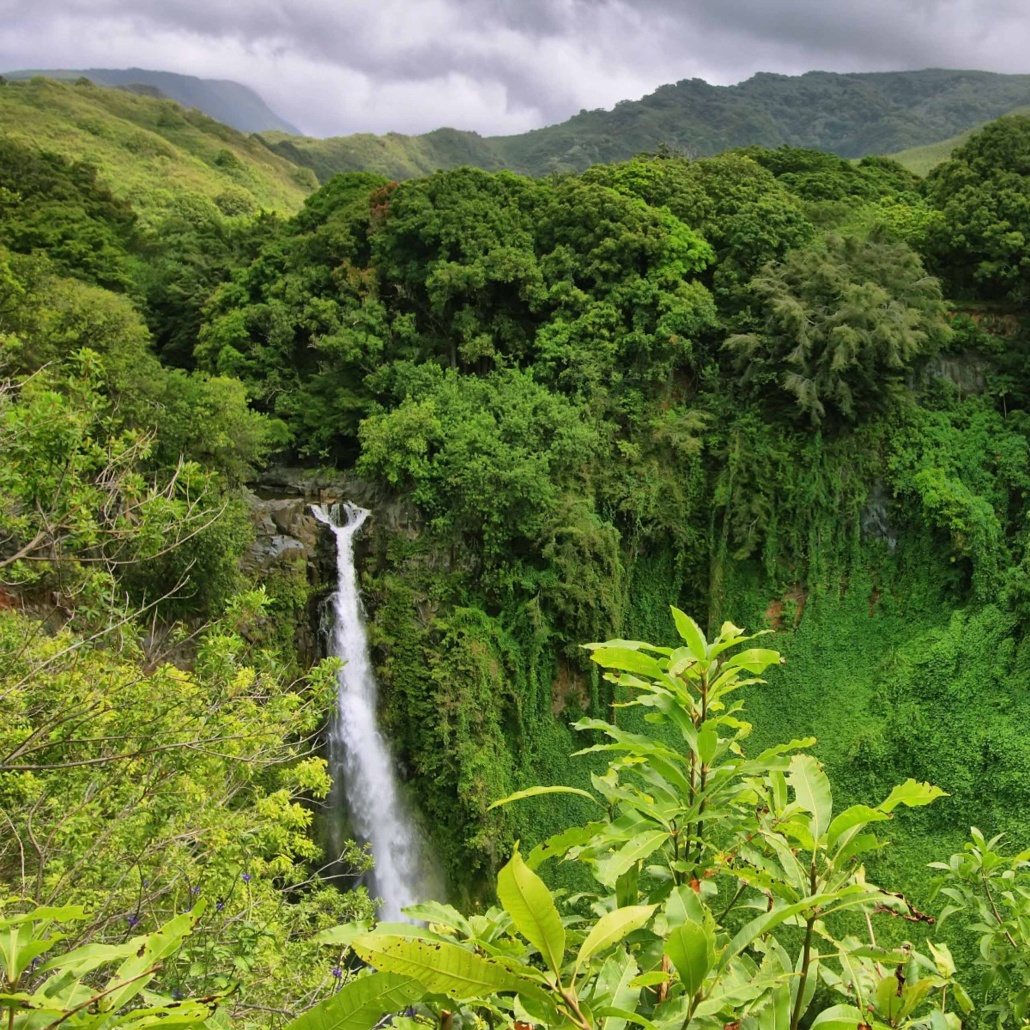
(875, 520)
(286, 534)
(968, 371)
(284, 531)
(316, 486)
(294, 554)
(283, 494)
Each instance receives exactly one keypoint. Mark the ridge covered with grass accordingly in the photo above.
(150, 151)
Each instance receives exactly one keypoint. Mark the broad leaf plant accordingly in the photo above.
(721, 879)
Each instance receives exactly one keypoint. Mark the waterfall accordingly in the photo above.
(358, 754)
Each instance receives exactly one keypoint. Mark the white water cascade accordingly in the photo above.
(358, 754)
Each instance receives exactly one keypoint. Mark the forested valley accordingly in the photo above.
(778, 390)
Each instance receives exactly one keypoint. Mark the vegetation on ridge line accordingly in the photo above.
(151, 152)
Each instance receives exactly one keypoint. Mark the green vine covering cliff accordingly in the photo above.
(770, 386)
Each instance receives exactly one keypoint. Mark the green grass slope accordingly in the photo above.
(149, 151)
(850, 115)
(922, 160)
(229, 102)
(394, 155)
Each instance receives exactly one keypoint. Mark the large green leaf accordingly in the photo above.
(762, 924)
(611, 928)
(642, 845)
(611, 1012)
(707, 743)
(535, 792)
(342, 935)
(525, 897)
(811, 791)
(47, 913)
(615, 987)
(839, 1017)
(20, 949)
(135, 972)
(683, 904)
(776, 757)
(754, 660)
(360, 1004)
(663, 759)
(189, 1013)
(723, 644)
(435, 912)
(850, 821)
(89, 957)
(442, 968)
(691, 633)
(889, 1001)
(558, 845)
(632, 645)
(691, 949)
(913, 794)
(627, 887)
(624, 660)
(773, 1011)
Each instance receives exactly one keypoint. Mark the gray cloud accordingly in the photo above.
(496, 66)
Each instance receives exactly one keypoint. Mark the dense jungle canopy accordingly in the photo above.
(775, 387)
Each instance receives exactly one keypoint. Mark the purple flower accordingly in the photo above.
(132, 921)
(219, 905)
(245, 877)
(337, 972)
(176, 994)
(194, 890)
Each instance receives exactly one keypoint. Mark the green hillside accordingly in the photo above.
(394, 155)
(150, 151)
(850, 115)
(149, 148)
(229, 102)
(922, 159)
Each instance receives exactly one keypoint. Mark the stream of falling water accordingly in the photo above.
(358, 754)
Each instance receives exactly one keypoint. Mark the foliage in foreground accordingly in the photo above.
(993, 890)
(148, 768)
(94, 986)
(726, 887)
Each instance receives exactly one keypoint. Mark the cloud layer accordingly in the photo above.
(500, 66)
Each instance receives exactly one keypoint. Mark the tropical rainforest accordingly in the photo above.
(780, 390)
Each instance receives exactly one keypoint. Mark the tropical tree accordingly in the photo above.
(994, 888)
(846, 320)
(983, 193)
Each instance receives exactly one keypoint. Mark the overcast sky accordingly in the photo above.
(500, 66)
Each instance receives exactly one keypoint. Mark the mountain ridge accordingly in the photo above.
(850, 114)
(917, 115)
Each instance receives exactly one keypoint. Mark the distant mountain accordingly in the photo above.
(154, 152)
(228, 102)
(850, 115)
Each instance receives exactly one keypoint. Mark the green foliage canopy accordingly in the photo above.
(847, 319)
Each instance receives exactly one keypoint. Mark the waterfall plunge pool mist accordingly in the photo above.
(359, 756)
